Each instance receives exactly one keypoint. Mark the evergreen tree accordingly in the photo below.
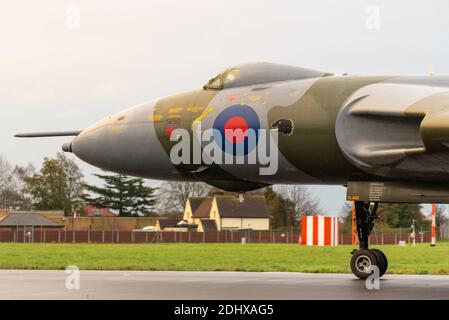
(142, 200)
(126, 195)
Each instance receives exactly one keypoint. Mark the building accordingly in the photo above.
(92, 211)
(171, 225)
(93, 222)
(207, 225)
(231, 213)
(197, 209)
(20, 221)
(227, 212)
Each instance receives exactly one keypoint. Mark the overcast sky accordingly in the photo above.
(58, 74)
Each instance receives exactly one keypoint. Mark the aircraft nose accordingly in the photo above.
(126, 144)
(94, 146)
(67, 147)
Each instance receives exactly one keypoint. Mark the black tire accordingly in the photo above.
(361, 260)
(382, 260)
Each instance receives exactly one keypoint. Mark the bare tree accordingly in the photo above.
(6, 181)
(173, 195)
(5, 174)
(440, 216)
(305, 203)
(19, 174)
(12, 184)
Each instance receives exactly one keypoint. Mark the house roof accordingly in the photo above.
(168, 223)
(208, 225)
(250, 207)
(92, 211)
(203, 210)
(195, 202)
(27, 220)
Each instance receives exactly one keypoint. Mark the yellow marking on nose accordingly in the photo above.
(194, 109)
(117, 128)
(174, 110)
(155, 118)
(254, 98)
(205, 113)
(174, 116)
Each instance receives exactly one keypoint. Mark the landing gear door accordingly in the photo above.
(408, 192)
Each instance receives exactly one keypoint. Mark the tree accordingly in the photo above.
(305, 203)
(143, 199)
(174, 194)
(7, 187)
(401, 215)
(5, 174)
(282, 210)
(12, 193)
(440, 216)
(347, 217)
(20, 173)
(388, 217)
(57, 186)
(392, 215)
(126, 195)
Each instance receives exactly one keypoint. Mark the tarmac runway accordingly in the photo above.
(27, 284)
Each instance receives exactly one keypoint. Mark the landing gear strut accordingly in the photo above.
(364, 258)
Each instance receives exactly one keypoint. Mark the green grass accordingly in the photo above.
(421, 259)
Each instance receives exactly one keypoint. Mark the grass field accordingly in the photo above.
(421, 259)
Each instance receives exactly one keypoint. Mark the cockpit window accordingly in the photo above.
(259, 73)
(214, 83)
(224, 79)
(231, 76)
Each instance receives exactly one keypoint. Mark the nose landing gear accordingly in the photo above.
(364, 258)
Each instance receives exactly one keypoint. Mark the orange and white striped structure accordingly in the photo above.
(434, 220)
(320, 231)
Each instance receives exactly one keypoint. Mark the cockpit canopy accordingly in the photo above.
(258, 73)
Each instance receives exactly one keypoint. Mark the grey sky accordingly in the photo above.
(126, 52)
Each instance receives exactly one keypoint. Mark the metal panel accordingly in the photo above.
(393, 191)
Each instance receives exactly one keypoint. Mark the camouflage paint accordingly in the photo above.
(333, 129)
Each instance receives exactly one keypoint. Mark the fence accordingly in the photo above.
(66, 236)
(380, 238)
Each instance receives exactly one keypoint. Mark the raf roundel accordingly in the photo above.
(238, 127)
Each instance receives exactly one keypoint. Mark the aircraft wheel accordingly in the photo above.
(383, 261)
(361, 262)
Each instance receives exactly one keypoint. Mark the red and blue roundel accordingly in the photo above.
(239, 128)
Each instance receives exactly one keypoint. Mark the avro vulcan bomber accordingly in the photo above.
(385, 138)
